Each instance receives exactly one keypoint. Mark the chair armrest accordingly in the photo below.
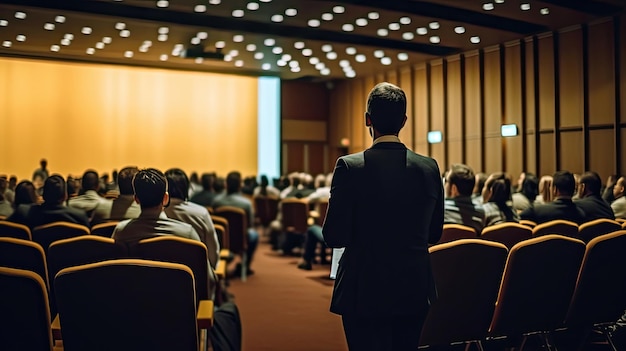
(220, 270)
(56, 328)
(204, 317)
(225, 253)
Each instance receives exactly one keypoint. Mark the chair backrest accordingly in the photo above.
(222, 236)
(508, 233)
(537, 285)
(23, 254)
(595, 228)
(237, 227)
(265, 208)
(295, 214)
(453, 232)
(15, 230)
(104, 229)
(467, 274)
(129, 305)
(528, 223)
(24, 306)
(557, 226)
(191, 253)
(599, 294)
(48, 233)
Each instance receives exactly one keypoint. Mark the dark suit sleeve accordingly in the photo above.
(337, 227)
(436, 224)
(528, 214)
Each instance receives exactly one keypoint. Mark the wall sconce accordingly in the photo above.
(508, 130)
(434, 137)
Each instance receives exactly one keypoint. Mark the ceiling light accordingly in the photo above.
(295, 69)
(163, 30)
(215, 2)
(163, 57)
(361, 22)
(327, 16)
(90, 51)
(385, 61)
(350, 74)
(238, 38)
(360, 58)
(475, 40)
(277, 18)
(55, 48)
(408, 36)
(331, 55)
(199, 60)
(379, 54)
(286, 57)
(266, 66)
(291, 12)
(525, 6)
(344, 63)
(47, 26)
(403, 56)
(7, 44)
(394, 26)
(147, 43)
(314, 23)
(239, 63)
(307, 52)
(422, 31)
(350, 50)
(20, 15)
(86, 30)
(545, 11)
(258, 55)
(143, 49)
(298, 45)
(459, 30)
(327, 47)
(107, 40)
(277, 50)
(220, 44)
(325, 71)
(252, 6)
(487, 6)
(162, 3)
(314, 60)
(195, 40)
(382, 32)
(228, 58)
(250, 47)
(281, 63)
(69, 36)
(499, 1)
(20, 37)
(320, 66)
(162, 37)
(339, 9)
(435, 39)
(433, 25)
(202, 35)
(405, 20)
(294, 64)
(269, 42)
(233, 53)
(125, 33)
(100, 45)
(199, 8)
(59, 19)
(65, 42)
(120, 25)
(237, 13)
(347, 27)
(373, 15)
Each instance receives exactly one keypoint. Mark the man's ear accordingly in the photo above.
(166, 199)
(368, 119)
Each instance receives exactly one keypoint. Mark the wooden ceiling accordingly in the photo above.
(310, 39)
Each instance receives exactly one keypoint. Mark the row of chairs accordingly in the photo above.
(511, 233)
(541, 285)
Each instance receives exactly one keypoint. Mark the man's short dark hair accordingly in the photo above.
(233, 182)
(90, 180)
(125, 180)
(592, 181)
(178, 183)
(54, 190)
(207, 180)
(386, 106)
(463, 177)
(150, 185)
(564, 182)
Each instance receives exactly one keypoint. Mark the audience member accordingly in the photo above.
(527, 194)
(562, 207)
(198, 216)
(38, 181)
(97, 208)
(219, 187)
(194, 185)
(25, 194)
(477, 192)
(459, 208)
(545, 190)
(9, 193)
(6, 209)
(497, 200)
(42, 171)
(607, 193)
(206, 196)
(619, 204)
(265, 189)
(124, 205)
(589, 198)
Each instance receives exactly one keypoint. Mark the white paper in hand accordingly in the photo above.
(334, 266)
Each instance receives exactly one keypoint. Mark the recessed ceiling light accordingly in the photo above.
(199, 8)
(233, 53)
(215, 2)
(525, 6)
(286, 57)
(120, 25)
(277, 50)
(545, 11)
(277, 18)
(325, 71)
(239, 63)
(291, 12)
(90, 51)
(4, 23)
(320, 66)
(65, 42)
(379, 54)
(107, 40)
(195, 40)
(47, 26)
(347, 27)
(361, 22)
(339, 9)
(162, 3)
(258, 55)
(202, 35)
(433, 25)
(459, 30)
(403, 56)
(238, 38)
(314, 22)
(350, 50)
(295, 69)
(435, 39)
(281, 63)
(55, 48)
(350, 74)
(360, 58)
(307, 52)
(147, 43)
(373, 15)
(220, 44)
(405, 20)
(163, 30)
(162, 37)
(382, 32)
(327, 47)
(100, 45)
(228, 58)
(125, 33)
(237, 13)
(86, 30)
(385, 61)
(20, 37)
(265, 0)
(327, 16)
(20, 15)
(7, 44)
(199, 60)
(59, 19)
(422, 31)
(499, 1)
(314, 60)
(252, 6)
(331, 55)
(475, 40)
(250, 47)
(269, 42)
(488, 6)
(394, 26)
(143, 49)
(408, 36)
(294, 64)
(69, 36)
(344, 63)
(266, 66)
(298, 45)
(163, 57)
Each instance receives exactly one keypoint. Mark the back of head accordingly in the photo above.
(463, 177)
(207, 180)
(54, 190)
(219, 184)
(178, 183)
(125, 180)
(592, 183)
(481, 178)
(233, 182)
(564, 183)
(386, 107)
(530, 187)
(90, 180)
(264, 181)
(499, 185)
(150, 186)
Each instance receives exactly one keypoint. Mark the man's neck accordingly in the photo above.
(151, 212)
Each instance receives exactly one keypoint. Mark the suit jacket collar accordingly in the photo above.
(388, 145)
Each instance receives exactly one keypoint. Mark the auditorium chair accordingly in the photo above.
(131, 304)
(557, 226)
(294, 217)
(595, 228)
(104, 229)
(508, 233)
(467, 274)
(537, 286)
(528, 223)
(51, 232)
(238, 233)
(453, 232)
(266, 209)
(15, 230)
(24, 254)
(222, 236)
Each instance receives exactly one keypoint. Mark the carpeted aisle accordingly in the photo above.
(284, 308)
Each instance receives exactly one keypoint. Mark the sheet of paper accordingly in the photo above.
(334, 266)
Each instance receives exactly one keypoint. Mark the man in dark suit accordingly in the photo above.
(590, 200)
(386, 205)
(562, 207)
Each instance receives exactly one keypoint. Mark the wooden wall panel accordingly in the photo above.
(602, 152)
(357, 115)
(601, 73)
(304, 100)
(315, 158)
(437, 110)
(571, 99)
(473, 159)
(406, 83)
(339, 121)
(621, 154)
(473, 126)
(493, 110)
(546, 82)
(513, 152)
(368, 85)
(392, 77)
(622, 55)
(492, 164)
(421, 106)
(295, 156)
(454, 111)
(547, 158)
(572, 152)
(529, 118)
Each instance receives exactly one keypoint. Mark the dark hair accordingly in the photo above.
(564, 182)
(3, 187)
(386, 106)
(178, 183)
(124, 180)
(54, 190)
(219, 184)
(24, 194)
(530, 187)
(500, 186)
(592, 181)
(90, 180)
(149, 186)
(233, 182)
(193, 177)
(264, 183)
(463, 177)
(481, 178)
(207, 180)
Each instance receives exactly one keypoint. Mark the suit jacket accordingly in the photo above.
(385, 207)
(595, 208)
(97, 207)
(124, 207)
(149, 225)
(560, 208)
(36, 215)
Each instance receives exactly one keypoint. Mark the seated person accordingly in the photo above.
(590, 199)
(527, 194)
(206, 196)
(265, 189)
(124, 206)
(497, 200)
(313, 237)
(6, 208)
(97, 207)
(458, 205)
(619, 204)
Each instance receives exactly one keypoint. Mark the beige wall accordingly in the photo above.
(105, 117)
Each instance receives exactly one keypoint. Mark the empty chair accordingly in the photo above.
(557, 226)
(129, 305)
(24, 307)
(238, 233)
(295, 215)
(14, 230)
(104, 229)
(595, 228)
(51, 232)
(599, 296)
(509, 233)
(266, 208)
(467, 273)
(453, 232)
(537, 285)
(527, 223)
(23, 254)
